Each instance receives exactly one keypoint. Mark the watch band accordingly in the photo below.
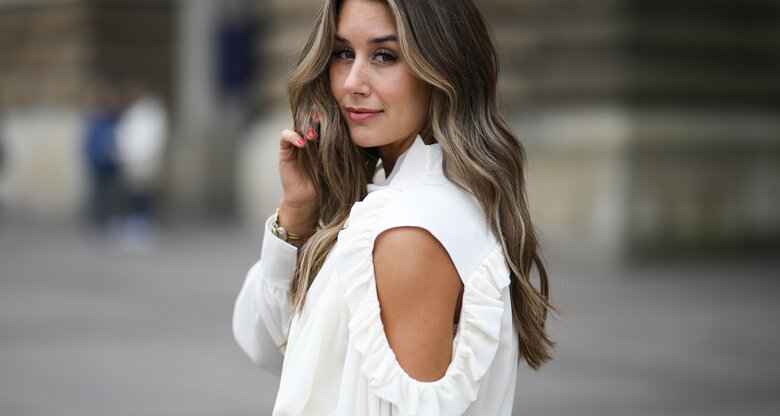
(285, 235)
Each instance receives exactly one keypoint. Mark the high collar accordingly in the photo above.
(416, 161)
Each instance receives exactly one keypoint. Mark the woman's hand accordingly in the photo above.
(298, 209)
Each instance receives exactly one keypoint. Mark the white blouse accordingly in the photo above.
(334, 358)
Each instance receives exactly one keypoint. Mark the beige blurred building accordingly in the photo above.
(651, 127)
(53, 50)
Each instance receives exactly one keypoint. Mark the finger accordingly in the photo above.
(311, 134)
(314, 132)
(291, 138)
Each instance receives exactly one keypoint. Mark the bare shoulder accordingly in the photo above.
(450, 222)
(418, 288)
(413, 251)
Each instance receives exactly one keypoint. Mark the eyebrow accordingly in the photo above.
(383, 39)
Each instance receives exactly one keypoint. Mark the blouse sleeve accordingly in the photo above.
(262, 310)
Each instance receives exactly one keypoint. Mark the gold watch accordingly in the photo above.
(284, 235)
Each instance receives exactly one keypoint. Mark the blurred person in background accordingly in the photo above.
(101, 154)
(141, 140)
(403, 287)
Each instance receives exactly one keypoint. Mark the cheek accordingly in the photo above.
(334, 81)
(416, 97)
(400, 90)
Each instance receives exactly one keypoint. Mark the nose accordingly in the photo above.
(357, 79)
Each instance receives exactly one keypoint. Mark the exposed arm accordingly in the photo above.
(418, 289)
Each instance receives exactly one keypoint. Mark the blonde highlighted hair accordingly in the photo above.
(447, 44)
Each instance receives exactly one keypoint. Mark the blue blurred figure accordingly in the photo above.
(100, 152)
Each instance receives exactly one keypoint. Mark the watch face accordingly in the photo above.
(278, 231)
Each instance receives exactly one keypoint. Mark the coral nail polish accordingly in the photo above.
(300, 142)
(311, 133)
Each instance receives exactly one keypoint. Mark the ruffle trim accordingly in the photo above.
(475, 345)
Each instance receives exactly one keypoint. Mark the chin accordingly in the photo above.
(363, 137)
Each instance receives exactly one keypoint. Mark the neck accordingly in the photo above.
(390, 153)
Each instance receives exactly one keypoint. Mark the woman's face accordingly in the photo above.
(368, 75)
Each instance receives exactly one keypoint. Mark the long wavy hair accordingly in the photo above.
(447, 44)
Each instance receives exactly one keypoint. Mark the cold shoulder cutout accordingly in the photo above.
(450, 214)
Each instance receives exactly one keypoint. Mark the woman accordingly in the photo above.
(413, 294)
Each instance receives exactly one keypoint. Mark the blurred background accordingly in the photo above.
(138, 161)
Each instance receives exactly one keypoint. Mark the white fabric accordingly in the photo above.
(141, 137)
(337, 360)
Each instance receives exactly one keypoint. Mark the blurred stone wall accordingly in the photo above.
(35, 39)
(704, 99)
(52, 51)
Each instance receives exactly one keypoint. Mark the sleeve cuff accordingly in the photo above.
(278, 258)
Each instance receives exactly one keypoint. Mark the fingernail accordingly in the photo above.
(300, 142)
(317, 117)
(311, 133)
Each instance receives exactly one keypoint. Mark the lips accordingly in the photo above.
(360, 114)
(362, 110)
